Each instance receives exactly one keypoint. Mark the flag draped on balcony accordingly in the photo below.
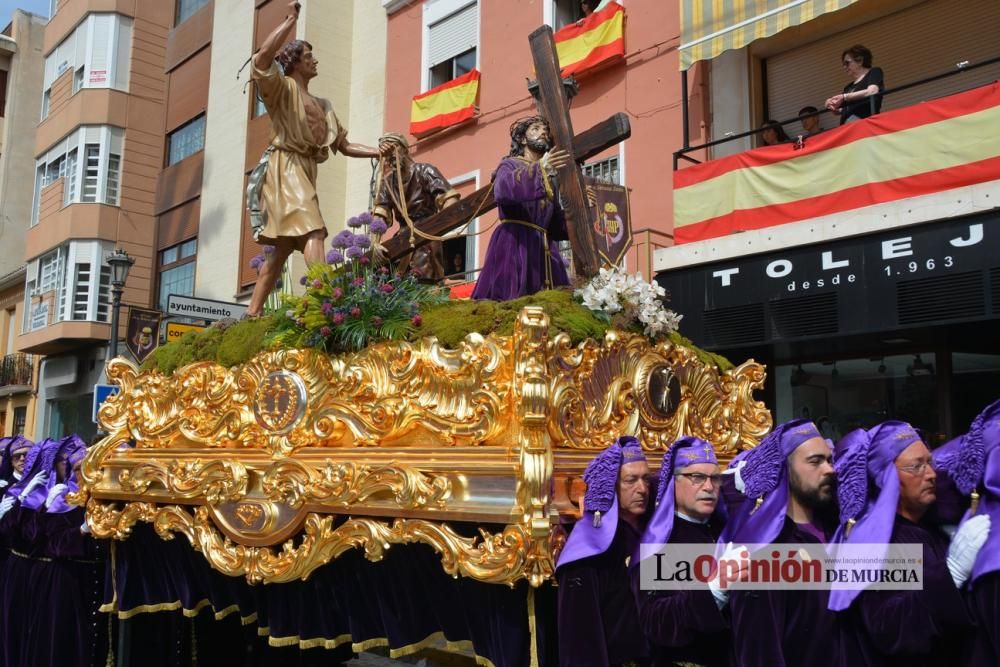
(446, 105)
(594, 40)
(709, 27)
(930, 147)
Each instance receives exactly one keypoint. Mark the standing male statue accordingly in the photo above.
(306, 129)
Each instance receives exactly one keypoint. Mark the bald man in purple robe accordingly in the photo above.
(684, 626)
(597, 620)
(975, 471)
(887, 485)
(790, 497)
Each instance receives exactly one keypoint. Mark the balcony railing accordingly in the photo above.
(16, 370)
(684, 153)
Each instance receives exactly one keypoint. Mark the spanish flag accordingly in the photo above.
(446, 105)
(595, 39)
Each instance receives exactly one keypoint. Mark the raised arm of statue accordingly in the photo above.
(278, 37)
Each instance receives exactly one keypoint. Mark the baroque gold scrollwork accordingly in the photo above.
(216, 481)
(345, 483)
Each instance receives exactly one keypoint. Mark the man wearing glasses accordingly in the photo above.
(685, 626)
(888, 487)
(13, 452)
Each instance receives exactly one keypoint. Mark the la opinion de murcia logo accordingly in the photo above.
(280, 401)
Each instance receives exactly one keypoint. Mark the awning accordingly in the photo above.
(709, 27)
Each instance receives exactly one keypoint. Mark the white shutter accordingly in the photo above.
(99, 63)
(453, 35)
(911, 44)
(123, 53)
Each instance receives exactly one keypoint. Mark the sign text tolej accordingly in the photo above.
(204, 309)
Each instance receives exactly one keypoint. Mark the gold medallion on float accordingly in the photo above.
(280, 401)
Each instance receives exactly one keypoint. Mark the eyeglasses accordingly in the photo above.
(699, 478)
(917, 468)
(848, 62)
(19, 456)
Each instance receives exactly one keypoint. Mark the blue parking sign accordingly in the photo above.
(102, 392)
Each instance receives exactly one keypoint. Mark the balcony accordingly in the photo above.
(16, 374)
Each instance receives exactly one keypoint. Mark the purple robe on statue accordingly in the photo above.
(779, 628)
(909, 628)
(598, 626)
(685, 626)
(516, 259)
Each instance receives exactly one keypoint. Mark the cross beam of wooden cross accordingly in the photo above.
(553, 105)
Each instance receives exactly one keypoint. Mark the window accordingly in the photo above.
(186, 140)
(177, 271)
(79, 277)
(3, 91)
(92, 178)
(97, 53)
(258, 106)
(605, 171)
(186, 8)
(565, 12)
(20, 419)
(451, 29)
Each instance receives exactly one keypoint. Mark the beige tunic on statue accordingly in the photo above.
(289, 190)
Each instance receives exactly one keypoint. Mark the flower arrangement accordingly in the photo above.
(354, 299)
(624, 300)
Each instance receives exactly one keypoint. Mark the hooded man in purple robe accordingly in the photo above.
(790, 497)
(523, 255)
(597, 621)
(684, 626)
(887, 485)
(975, 471)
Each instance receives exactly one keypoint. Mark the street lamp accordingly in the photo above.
(120, 263)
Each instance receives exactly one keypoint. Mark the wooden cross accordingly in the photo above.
(553, 104)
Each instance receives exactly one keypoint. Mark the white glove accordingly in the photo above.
(965, 546)
(737, 476)
(6, 504)
(721, 594)
(38, 480)
(3, 483)
(54, 493)
(85, 528)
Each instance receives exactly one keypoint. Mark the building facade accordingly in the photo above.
(432, 41)
(21, 67)
(857, 263)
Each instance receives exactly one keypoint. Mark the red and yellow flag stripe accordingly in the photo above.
(595, 39)
(446, 105)
(909, 152)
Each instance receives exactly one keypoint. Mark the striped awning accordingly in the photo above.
(709, 27)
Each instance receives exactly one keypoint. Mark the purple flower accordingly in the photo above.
(268, 249)
(354, 252)
(366, 218)
(317, 283)
(417, 320)
(355, 312)
(364, 260)
(376, 321)
(378, 227)
(334, 257)
(326, 307)
(256, 262)
(342, 239)
(387, 288)
(338, 318)
(354, 223)
(361, 241)
(303, 280)
(325, 331)
(337, 293)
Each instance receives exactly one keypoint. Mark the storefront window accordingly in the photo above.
(860, 393)
(975, 384)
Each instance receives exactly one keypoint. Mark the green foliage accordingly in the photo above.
(226, 343)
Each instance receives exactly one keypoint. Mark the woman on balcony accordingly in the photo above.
(866, 82)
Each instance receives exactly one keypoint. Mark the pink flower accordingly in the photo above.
(384, 270)
(387, 288)
(358, 282)
(376, 321)
(417, 320)
(317, 283)
(325, 331)
(363, 260)
(326, 307)
(355, 312)
(337, 293)
(338, 318)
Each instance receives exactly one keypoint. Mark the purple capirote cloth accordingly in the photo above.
(515, 260)
(74, 449)
(765, 477)
(595, 530)
(869, 460)
(687, 451)
(32, 467)
(46, 464)
(951, 504)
